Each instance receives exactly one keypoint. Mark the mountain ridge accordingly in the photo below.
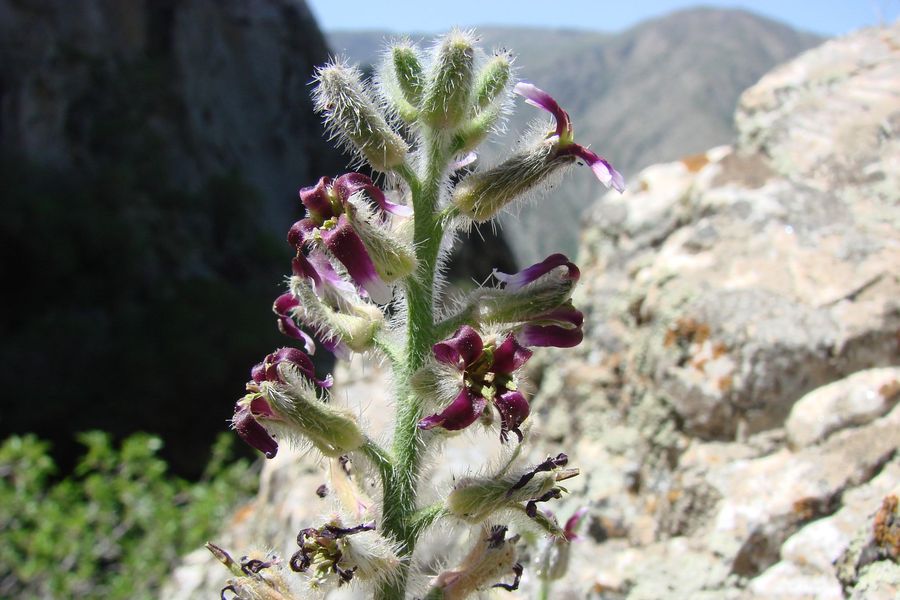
(660, 90)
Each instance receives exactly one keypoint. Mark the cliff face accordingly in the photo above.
(213, 87)
(734, 406)
(151, 152)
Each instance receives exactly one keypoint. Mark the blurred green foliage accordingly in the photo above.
(115, 527)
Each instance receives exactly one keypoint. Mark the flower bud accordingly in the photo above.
(352, 114)
(446, 97)
(492, 80)
(553, 560)
(408, 73)
(492, 557)
(474, 499)
(472, 133)
(355, 328)
(482, 195)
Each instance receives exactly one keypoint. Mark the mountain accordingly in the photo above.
(661, 90)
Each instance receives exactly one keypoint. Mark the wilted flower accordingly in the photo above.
(487, 377)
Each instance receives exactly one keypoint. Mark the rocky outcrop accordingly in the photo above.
(742, 382)
(733, 408)
(217, 87)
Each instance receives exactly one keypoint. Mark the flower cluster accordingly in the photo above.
(364, 279)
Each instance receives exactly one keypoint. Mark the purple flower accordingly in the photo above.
(286, 308)
(572, 523)
(559, 328)
(565, 135)
(327, 204)
(253, 410)
(488, 377)
(517, 281)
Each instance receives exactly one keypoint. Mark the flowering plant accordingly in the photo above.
(365, 280)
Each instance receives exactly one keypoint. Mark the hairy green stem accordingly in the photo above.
(399, 520)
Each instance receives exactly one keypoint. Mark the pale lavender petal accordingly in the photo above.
(537, 97)
(465, 161)
(530, 274)
(347, 247)
(601, 167)
(348, 184)
(565, 315)
(329, 276)
(461, 350)
(459, 414)
(509, 356)
(513, 408)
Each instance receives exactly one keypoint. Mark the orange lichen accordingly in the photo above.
(688, 330)
(695, 162)
(887, 527)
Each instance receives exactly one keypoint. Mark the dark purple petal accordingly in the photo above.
(550, 335)
(258, 372)
(300, 232)
(461, 350)
(509, 356)
(530, 274)
(252, 432)
(573, 522)
(604, 171)
(259, 407)
(296, 358)
(514, 409)
(459, 414)
(283, 308)
(302, 267)
(537, 97)
(350, 183)
(315, 199)
(346, 246)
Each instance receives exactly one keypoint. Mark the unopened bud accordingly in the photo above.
(408, 73)
(533, 292)
(492, 80)
(446, 97)
(350, 111)
(482, 195)
(472, 133)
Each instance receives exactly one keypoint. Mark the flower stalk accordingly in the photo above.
(361, 251)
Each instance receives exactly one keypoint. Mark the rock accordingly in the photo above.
(855, 400)
(222, 86)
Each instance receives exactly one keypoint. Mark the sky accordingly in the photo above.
(827, 17)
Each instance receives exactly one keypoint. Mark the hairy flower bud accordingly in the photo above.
(553, 560)
(482, 195)
(352, 114)
(492, 80)
(403, 80)
(446, 97)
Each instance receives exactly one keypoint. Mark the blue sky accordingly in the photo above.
(829, 17)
